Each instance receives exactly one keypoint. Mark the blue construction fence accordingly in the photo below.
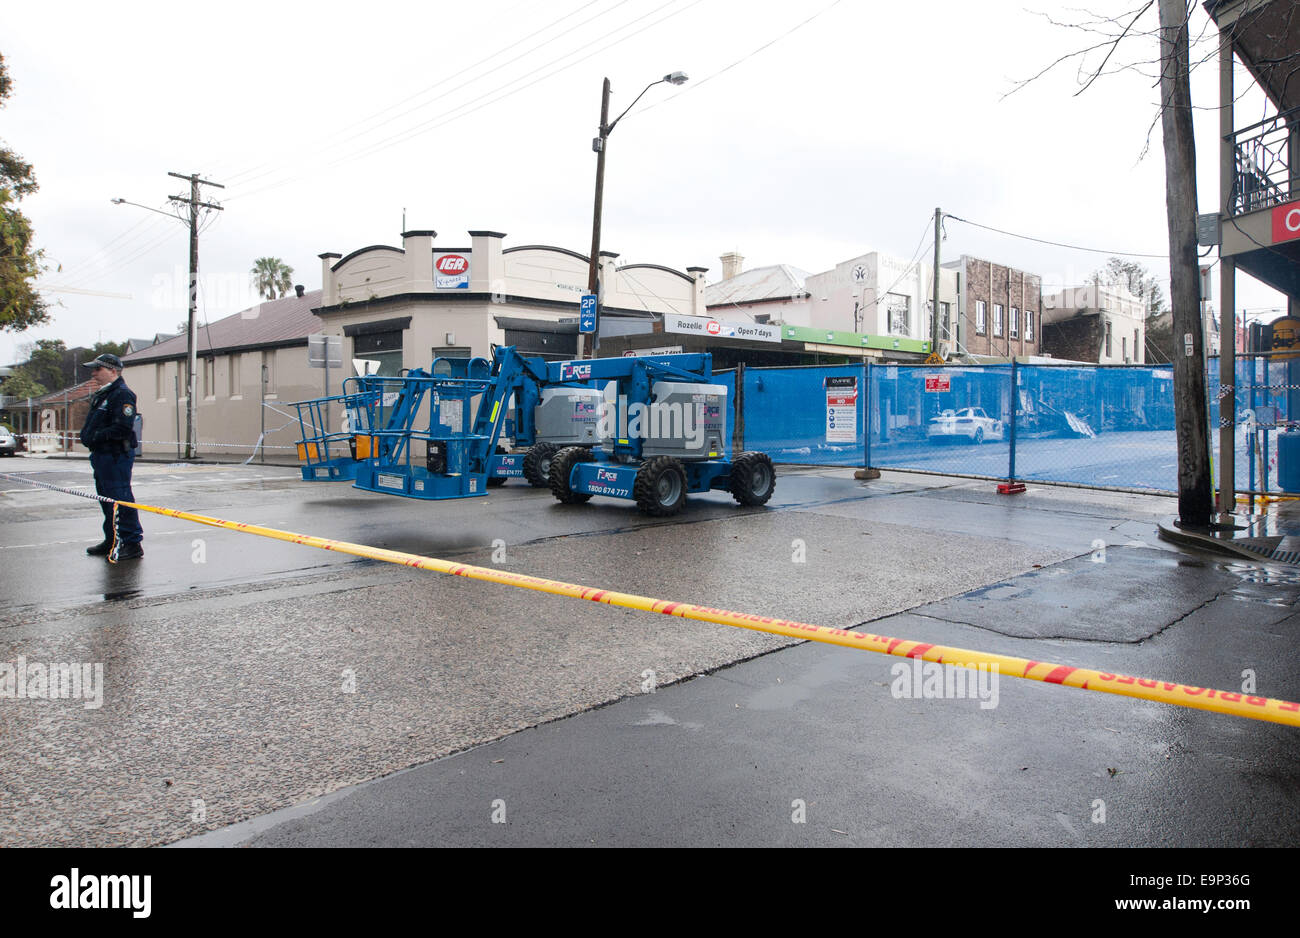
(1267, 403)
(1109, 426)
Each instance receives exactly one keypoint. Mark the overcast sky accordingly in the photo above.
(807, 135)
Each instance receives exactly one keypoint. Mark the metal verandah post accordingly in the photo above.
(1015, 400)
(866, 415)
(738, 425)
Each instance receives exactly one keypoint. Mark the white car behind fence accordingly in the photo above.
(969, 422)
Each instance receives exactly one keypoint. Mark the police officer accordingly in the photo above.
(109, 434)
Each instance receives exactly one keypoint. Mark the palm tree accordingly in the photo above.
(270, 274)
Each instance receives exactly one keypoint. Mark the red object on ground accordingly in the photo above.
(1010, 488)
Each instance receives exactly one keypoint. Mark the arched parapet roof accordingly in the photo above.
(667, 270)
(372, 247)
(548, 247)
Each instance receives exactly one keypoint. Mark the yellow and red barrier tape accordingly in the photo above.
(1169, 692)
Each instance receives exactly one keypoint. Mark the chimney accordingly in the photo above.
(731, 264)
(698, 307)
(329, 287)
(299, 289)
(418, 246)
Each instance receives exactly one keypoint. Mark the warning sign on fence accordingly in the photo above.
(938, 382)
(841, 409)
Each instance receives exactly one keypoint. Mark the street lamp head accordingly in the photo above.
(117, 201)
(676, 78)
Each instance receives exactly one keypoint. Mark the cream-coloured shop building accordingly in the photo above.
(399, 306)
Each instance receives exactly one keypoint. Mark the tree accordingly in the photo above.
(21, 385)
(42, 372)
(1139, 281)
(270, 274)
(46, 364)
(108, 348)
(20, 305)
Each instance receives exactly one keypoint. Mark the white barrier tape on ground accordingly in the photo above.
(1182, 695)
(76, 438)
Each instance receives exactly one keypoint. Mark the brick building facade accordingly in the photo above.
(999, 309)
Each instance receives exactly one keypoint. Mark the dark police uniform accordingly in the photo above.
(109, 434)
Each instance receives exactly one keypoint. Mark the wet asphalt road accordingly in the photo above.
(226, 681)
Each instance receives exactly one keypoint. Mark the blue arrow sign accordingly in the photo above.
(587, 314)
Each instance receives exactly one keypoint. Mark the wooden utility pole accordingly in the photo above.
(192, 350)
(1190, 412)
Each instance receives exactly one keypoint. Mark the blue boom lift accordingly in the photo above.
(663, 429)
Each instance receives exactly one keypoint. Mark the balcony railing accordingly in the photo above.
(1263, 176)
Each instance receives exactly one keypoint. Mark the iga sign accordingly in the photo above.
(451, 272)
(703, 325)
(1286, 222)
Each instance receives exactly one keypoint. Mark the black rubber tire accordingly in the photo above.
(561, 467)
(494, 482)
(537, 464)
(979, 435)
(753, 479)
(660, 487)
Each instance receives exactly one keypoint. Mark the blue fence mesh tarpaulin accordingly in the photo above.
(953, 419)
(806, 415)
(1110, 426)
(1267, 399)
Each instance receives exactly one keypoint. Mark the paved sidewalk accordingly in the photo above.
(1271, 535)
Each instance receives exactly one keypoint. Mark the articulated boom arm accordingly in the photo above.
(510, 372)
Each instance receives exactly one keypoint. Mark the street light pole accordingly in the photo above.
(593, 271)
(600, 144)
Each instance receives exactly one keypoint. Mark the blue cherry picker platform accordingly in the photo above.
(380, 415)
(649, 429)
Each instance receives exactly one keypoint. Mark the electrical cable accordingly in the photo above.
(1059, 244)
(348, 134)
(766, 45)
(449, 116)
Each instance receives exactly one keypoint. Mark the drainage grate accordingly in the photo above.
(1275, 549)
(1288, 551)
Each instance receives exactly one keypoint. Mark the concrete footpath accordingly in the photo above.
(816, 745)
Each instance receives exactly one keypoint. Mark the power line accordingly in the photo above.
(350, 130)
(449, 116)
(764, 46)
(349, 135)
(83, 270)
(93, 262)
(434, 122)
(1059, 244)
